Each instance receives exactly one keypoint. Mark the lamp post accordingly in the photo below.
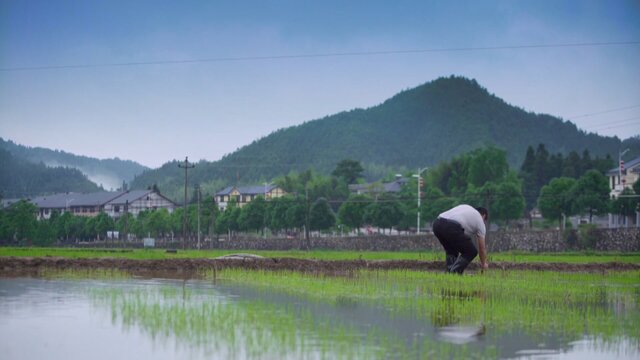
(420, 184)
(264, 220)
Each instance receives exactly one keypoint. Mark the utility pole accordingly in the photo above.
(126, 221)
(198, 190)
(186, 167)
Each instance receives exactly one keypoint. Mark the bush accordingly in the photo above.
(587, 236)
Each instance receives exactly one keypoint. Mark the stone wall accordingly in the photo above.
(623, 240)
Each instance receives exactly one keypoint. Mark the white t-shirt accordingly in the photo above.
(468, 217)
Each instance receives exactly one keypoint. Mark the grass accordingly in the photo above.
(519, 257)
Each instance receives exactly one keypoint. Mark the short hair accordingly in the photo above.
(483, 211)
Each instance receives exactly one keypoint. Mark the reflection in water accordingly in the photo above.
(168, 319)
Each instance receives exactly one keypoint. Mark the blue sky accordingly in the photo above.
(154, 113)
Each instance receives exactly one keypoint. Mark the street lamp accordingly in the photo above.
(264, 227)
(420, 184)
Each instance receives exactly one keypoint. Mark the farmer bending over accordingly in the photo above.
(454, 229)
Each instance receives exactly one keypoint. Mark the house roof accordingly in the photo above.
(133, 195)
(75, 199)
(247, 190)
(394, 186)
(628, 165)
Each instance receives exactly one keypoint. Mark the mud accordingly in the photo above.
(192, 267)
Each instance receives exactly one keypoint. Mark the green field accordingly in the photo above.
(518, 257)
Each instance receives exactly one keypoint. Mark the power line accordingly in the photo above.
(620, 123)
(604, 112)
(317, 55)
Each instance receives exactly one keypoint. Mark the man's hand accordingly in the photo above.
(485, 265)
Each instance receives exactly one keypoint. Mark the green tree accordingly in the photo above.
(321, 217)
(623, 205)
(348, 170)
(489, 164)
(158, 223)
(277, 212)
(591, 193)
(253, 215)
(556, 198)
(22, 221)
(351, 212)
(103, 223)
(296, 214)
(384, 213)
(510, 203)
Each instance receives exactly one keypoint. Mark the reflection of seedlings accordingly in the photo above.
(345, 301)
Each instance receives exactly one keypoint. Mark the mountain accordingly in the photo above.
(20, 178)
(108, 173)
(415, 128)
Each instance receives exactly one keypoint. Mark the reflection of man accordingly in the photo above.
(454, 229)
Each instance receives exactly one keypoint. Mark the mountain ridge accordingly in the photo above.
(109, 173)
(415, 128)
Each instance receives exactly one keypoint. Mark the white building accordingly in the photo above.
(619, 179)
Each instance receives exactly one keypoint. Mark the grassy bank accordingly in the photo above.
(140, 254)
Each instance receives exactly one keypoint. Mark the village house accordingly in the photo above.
(243, 195)
(91, 204)
(624, 176)
(135, 201)
(377, 187)
(620, 178)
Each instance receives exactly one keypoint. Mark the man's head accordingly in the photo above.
(483, 212)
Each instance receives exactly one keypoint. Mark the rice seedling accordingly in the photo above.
(142, 254)
(364, 314)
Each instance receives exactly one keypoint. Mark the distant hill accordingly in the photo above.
(20, 178)
(415, 128)
(108, 173)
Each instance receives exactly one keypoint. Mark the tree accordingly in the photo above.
(103, 223)
(625, 206)
(384, 213)
(277, 212)
(348, 170)
(253, 214)
(321, 217)
(351, 212)
(158, 222)
(296, 214)
(591, 193)
(510, 203)
(556, 199)
(22, 221)
(489, 164)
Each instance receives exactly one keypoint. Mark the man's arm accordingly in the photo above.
(482, 252)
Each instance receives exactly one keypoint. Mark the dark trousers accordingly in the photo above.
(453, 239)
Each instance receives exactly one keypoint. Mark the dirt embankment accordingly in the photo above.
(190, 267)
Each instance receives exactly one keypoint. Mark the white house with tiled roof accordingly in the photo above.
(91, 204)
(623, 178)
(135, 201)
(245, 194)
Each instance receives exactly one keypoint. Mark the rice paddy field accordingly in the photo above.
(158, 254)
(237, 313)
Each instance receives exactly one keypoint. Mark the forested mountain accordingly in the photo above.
(418, 127)
(109, 173)
(21, 178)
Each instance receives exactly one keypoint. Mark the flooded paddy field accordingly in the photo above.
(236, 313)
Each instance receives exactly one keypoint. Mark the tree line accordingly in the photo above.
(316, 202)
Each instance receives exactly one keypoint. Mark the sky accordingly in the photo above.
(154, 80)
